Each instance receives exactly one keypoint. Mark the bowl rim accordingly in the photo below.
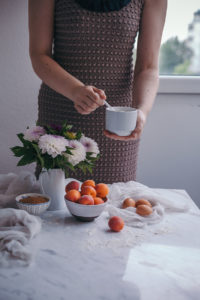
(88, 205)
(129, 109)
(19, 197)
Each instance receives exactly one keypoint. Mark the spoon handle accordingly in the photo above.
(108, 105)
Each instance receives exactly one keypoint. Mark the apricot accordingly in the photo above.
(73, 195)
(116, 223)
(143, 202)
(144, 210)
(98, 200)
(102, 190)
(88, 182)
(88, 190)
(72, 185)
(128, 202)
(86, 200)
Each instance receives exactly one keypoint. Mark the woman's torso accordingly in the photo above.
(97, 47)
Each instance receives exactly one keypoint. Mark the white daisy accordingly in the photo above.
(53, 144)
(90, 145)
(78, 152)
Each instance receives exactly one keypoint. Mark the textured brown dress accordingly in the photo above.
(96, 48)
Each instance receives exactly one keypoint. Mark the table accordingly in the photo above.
(75, 260)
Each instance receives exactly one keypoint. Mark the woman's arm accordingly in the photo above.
(41, 18)
(146, 74)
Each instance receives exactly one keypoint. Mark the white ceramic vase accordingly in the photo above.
(52, 183)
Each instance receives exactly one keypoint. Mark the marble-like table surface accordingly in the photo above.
(75, 260)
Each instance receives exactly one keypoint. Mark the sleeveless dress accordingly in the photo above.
(97, 48)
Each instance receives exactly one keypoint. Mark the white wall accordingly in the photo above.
(170, 146)
(18, 83)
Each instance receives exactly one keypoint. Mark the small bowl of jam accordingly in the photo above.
(33, 203)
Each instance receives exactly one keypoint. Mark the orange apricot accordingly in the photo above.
(98, 200)
(88, 190)
(88, 182)
(72, 185)
(144, 210)
(116, 223)
(86, 200)
(128, 202)
(73, 195)
(142, 202)
(102, 190)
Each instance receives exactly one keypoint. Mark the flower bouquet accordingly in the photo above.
(57, 147)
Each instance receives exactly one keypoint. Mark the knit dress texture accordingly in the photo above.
(97, 48)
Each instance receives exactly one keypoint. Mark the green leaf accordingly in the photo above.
(68, 151)
(66, 173)
(18, 151)
(78, 135)
(50, 130)
(26, 159)
(70, 166)
(48, 161)
(68, 127)
(38, 155)
(24, 142)
(21, 137)
(90, 169)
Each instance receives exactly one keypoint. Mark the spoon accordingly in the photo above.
(108, 105)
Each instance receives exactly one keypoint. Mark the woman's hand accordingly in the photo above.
(88, 98)
(141, 120)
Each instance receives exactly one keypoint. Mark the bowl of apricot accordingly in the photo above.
(86, 201)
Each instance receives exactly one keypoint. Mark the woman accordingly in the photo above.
(82, 50)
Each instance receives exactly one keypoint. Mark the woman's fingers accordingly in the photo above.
(100, 92)
(137, 131)
(94, 94)
(90, 103)
(88, 98)
(81, 109)
(117, 137)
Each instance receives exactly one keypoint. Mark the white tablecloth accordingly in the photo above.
(75, 260)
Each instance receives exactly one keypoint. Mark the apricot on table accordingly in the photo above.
(72, 185)
(88, 182)
(88, 190)
(142, 202)
(116, 223)
(73, 195)
(144, 210)
(102, 190)
(98, 200)
(128, 202)
(86, 200)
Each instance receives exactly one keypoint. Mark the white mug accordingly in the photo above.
(121, 120)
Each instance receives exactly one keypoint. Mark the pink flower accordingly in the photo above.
(34, 133)
(90, 145)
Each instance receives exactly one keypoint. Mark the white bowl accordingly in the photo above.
(83, 212)
(34, 209)
(121, 120)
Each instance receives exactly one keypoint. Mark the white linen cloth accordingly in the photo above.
(160, 204)
(12, 185)
(17, 227)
